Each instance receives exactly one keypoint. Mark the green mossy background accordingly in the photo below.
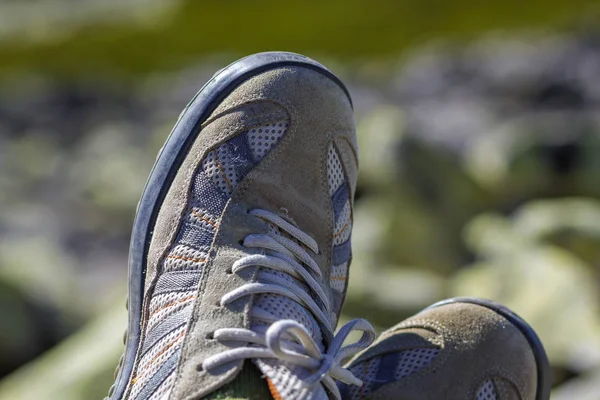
(479, 137)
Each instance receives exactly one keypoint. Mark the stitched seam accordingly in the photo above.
(508, 377)
(180, 336)
(425, 324)
(174, 303)
(208, 221)
(341, 230)
(273, 390)
(253, 120)
(197, 260)
(222, 171)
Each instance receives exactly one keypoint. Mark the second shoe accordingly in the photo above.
(458, 349)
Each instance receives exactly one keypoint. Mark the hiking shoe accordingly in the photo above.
(241, 243)
(458, 349)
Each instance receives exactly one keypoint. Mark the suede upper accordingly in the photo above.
(458, 351)
(290, 180)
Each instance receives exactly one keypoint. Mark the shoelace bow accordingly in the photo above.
(288, 340)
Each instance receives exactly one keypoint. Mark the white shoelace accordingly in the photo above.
(288, 340)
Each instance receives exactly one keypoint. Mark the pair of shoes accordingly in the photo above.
(239, 262)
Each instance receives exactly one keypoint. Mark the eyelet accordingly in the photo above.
(199, 368)
(210, 336)
(229, 271)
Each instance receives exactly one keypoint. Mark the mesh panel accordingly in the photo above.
(177, 281)
(335, 172)
(184, 258)
(284, 308)
(408, 362)
(206, 195)
(225, 163)
(487, 391)
(367, 372)
(221, 166)
(213, 168)
(287, 378)
(202, 218)
(161, 351)
(165, 304)
(338, 277)
(413, 360)
(261, 140)
(164, 390)
(343, 226)
(152, 361)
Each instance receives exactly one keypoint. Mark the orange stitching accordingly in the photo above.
(198, 260)
(166, 348)
(273, 390)
(174, 303)
(136, 378)
(341, 230)
(338, 278)
(208, 221)
(222, 171)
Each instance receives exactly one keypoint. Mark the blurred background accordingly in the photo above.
(479, 130)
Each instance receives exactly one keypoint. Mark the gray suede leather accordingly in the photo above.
(476, 344)
(291, 180)
(223, 126)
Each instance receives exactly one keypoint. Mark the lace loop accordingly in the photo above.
(288, 340)
(288, 227)
(274, 339)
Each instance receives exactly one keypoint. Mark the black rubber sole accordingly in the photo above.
(544, 373)
(167, 164)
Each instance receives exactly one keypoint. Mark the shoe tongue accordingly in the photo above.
(282, 307)
(285, 380)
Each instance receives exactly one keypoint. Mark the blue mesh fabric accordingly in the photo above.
(197, 237)
(242, 158)
(341, 253)
(176, 281)
(207, 196)
(340, 197)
